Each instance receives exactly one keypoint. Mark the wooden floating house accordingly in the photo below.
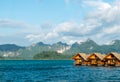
(97, 59)
(112, 59)
(80, 59)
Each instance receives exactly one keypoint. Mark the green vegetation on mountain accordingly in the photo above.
(90, 46)
(56, 50)
(51, 55)
(10, 47)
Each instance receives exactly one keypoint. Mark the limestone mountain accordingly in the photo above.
(89, 46)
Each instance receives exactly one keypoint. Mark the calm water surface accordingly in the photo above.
(55, 71)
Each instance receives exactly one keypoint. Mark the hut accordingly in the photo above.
(80, 59)
(96, 59)
(112, 59)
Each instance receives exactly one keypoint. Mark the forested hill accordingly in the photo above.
(17, 52)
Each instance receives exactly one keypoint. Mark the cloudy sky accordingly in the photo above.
(24, 22)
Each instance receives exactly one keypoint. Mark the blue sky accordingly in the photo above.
(24, 22)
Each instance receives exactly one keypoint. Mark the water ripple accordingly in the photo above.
(55, 71)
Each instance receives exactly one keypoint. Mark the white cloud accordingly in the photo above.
(78, 41)
(112, 30)
(67, 1)
(8, 26)
(33, 37)
(99, 4)
(51, 35)
(74, 29)
(101, 22)
(13, 24)
(108, 18)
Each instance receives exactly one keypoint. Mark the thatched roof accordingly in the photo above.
(83, 55)
(100, 56)
(74, 57)
(117, 55)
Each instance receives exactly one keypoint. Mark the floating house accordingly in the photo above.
(80, 59)
(112, 59)
(96, 59)
(86, 62)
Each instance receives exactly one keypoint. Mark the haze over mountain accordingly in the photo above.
(89, 46)
(10, 47)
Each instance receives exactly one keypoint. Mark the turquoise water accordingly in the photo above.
(55, 71)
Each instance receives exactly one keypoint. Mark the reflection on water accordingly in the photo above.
(55, 71)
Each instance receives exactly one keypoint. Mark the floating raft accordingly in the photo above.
(97, 59)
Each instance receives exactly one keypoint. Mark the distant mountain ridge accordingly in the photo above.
(10, 47)
(89, 46)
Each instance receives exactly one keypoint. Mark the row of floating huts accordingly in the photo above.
(97, 59)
